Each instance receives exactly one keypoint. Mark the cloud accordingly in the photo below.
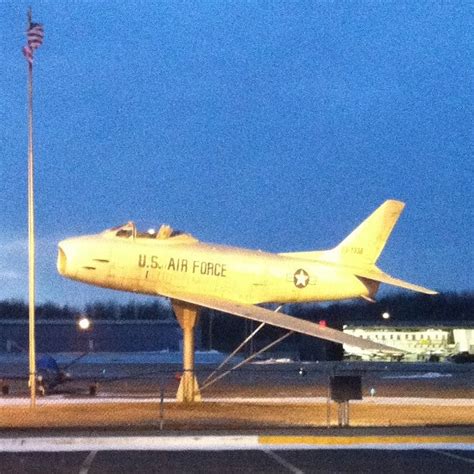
(14, 264)
(10, 275)
(9, 246)
(20, 245)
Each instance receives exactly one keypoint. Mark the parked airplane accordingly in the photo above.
(50, 376)
(234, 280)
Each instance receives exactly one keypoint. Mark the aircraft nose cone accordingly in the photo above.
(67, 249)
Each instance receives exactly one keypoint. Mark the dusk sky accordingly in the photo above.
(274, 125)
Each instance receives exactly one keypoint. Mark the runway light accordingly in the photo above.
(84, 323)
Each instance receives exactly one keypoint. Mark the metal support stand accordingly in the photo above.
(224, 362)
(162, 407)
(213, 377)
(328, 407)
(343, 414)
(209, 382)
(187, 316)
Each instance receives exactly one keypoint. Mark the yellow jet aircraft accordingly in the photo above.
(234, 280)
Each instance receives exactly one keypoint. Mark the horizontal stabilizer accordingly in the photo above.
(283, 321)
(382, 277)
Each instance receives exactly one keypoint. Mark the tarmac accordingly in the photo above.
(263, 419)
(406, 451)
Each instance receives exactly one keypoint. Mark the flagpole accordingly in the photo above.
(31, 237)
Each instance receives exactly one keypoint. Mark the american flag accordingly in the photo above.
(34, 36)
(28, 53)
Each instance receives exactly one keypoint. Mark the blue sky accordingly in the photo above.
(271, 125)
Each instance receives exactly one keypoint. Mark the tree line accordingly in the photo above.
(224, 333)
(409, 308)
(110, 310)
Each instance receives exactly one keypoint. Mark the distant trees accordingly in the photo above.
(158, 309)
(13, 309)
(223, 332)
(407, 308)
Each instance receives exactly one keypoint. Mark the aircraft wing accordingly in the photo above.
(256, 313)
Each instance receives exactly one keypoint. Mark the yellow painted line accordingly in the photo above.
(350, 440)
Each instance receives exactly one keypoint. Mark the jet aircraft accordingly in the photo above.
(50, 376)
(235, 280)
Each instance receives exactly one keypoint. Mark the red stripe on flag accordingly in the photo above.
(28, 53)
(35, 35)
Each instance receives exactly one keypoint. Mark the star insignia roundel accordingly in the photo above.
(301, 278)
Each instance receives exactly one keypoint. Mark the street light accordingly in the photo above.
(386, 315)
(84, 323)
(85, 326)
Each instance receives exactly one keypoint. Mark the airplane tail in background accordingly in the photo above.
(359, 251)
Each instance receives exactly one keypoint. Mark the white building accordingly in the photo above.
(420, 343)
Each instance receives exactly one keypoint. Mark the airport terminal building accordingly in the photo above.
(422, 343)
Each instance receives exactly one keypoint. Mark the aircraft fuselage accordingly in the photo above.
(152, 266)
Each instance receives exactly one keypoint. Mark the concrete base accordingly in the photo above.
(188, 390)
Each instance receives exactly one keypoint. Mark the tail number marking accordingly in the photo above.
(353, 250)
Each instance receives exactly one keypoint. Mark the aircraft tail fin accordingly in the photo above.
(362, 247)
(359, 251)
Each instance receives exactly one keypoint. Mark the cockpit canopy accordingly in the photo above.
(164, 232)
